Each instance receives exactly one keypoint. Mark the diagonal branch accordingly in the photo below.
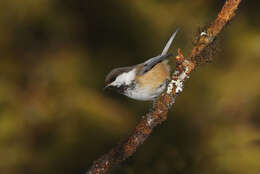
(183, 70)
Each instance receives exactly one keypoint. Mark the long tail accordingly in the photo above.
(149, 64)
(167, 46)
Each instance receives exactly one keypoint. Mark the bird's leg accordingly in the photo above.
(154, 104)
(166, 82)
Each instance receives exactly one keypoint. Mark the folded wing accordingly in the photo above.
(149, 64)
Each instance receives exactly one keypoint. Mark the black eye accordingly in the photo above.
(112, 79)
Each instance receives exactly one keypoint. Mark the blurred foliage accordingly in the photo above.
(55, 118)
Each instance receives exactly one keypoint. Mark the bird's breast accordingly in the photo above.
(155, 77)
(151, 84)
(145, 94)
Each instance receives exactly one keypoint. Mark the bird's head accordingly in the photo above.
(120, 79)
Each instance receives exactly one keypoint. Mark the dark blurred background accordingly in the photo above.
(55, 118)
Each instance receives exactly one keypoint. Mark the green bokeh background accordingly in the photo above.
(55, 118)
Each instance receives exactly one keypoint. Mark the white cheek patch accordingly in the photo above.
(125, 78)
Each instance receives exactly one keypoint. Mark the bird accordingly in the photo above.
(144, 81)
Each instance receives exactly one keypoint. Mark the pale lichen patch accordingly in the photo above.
(170, 87)
(149, 120)
(203, 33)
(179, 82)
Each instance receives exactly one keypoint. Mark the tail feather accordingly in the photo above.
(149, 64)
(167, 46)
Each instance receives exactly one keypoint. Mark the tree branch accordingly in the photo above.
(184, 68)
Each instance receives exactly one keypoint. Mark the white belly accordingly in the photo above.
(145, 94)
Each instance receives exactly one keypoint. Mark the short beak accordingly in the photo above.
(108, 87)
